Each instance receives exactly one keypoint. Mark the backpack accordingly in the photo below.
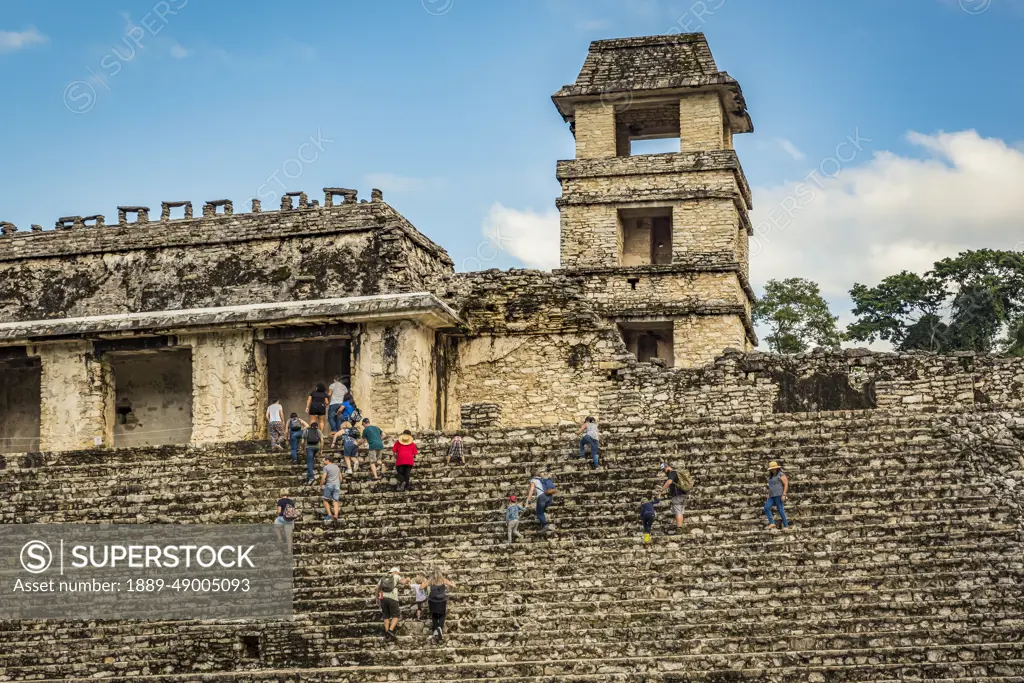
(439, 593)
(388, 583)
(294, 425)
(315, 440)
(685, 481)
(290, 513)
(548, 486)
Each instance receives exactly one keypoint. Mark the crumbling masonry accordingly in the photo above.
(138, 356)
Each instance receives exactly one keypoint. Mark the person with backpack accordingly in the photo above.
(778, 488)
(347, 433)
(405, 458)
(437, 601)
(512, 512)
(285, 520)
(647, 515)
(275, 424)
(373, 437)
(679, 483)
(347, 411)
(316, 405)
(387, 596)
(543, 488)
(295, 427)
(314, 440)
(589, 437)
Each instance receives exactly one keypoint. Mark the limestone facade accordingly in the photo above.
(678, 212)
(140, 332)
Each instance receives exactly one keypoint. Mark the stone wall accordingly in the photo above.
(756, 384)
(533, 347)
(300, 254)
(157, 387)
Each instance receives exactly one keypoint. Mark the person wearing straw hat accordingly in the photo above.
(405, 458)
(778, 487)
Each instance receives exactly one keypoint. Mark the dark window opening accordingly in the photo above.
(645, 236)
(649, 341)
(295, 368)
(251, 647)
(20, 397)
(123, 409)
(633, 282)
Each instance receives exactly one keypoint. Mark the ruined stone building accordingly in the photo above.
(137, 357)
(179, 329)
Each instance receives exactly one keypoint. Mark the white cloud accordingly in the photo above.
(890, 213)
(790, 148)
(391, 182)
(179, 52)
(531, 237)
(16, 40)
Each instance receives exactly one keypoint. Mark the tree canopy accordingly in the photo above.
(963, 304)
(797, 315)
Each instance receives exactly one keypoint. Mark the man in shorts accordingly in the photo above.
(331, 481)
(373, 437)
(678, 485)
(387, 596)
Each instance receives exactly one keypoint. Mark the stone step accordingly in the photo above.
(941, 662)
(470, 648)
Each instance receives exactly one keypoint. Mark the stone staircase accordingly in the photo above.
(903, 563)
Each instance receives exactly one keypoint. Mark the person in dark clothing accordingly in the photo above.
(437, 601)
(295, 427)
(543, 489)
(284, 522)
(316, 405)
(647, 515)
(314, 440)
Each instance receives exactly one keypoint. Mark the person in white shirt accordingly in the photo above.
(275, 424)
(336, 393)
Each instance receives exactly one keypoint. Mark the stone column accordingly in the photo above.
(77, 398)
(392, 374)
(229, 386)
(699, 339)
(701, 123)
(595, 130)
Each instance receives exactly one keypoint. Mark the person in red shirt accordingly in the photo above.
(405, 457)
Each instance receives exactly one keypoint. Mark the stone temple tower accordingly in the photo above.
(659, 241)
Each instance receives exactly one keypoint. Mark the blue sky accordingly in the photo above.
(445, 105)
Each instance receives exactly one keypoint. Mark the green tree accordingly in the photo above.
(982, 291)
(987, 293)
(797, 315)
(901, 309)
(1014, 342)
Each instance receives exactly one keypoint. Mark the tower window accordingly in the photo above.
(646, 236)
(647, 128)
(649, 340)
